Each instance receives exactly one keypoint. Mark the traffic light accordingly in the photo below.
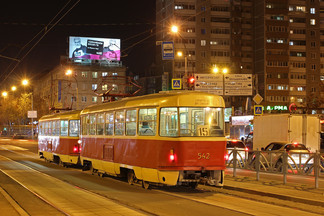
(191, 82)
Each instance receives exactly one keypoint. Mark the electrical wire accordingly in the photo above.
(45, 32)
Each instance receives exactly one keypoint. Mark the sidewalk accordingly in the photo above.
(300, 193)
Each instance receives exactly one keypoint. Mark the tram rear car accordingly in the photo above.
(172, 138)
(58, 139)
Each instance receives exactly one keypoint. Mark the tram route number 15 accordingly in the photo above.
(203, 130)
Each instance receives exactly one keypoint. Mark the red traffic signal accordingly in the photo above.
(191, 80)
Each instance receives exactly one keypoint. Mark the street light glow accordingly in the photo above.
(179, 53)
(4, 94)
(225, 70)
(25, 82)
(13, 88)
(215, 70)
(174, 29)
(68, 72)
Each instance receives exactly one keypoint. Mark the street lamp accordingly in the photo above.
(25, 82)
(4, 94)
(13, 88)
(69, 72)
(224, 71)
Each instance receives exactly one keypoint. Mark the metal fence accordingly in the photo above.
(308, 164)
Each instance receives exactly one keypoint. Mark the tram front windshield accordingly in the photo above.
(192, 121)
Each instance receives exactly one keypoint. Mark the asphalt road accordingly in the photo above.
(40, 187)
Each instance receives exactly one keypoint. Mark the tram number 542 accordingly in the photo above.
(203, 156)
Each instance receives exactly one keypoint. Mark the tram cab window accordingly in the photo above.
(119, 123)
(109, 126)
(92, 124)
(169, 121)
(147, 122)
(194, 121)
(40, 128)
(64, 127)
(130, 122)
(100, 124)
(74, 128)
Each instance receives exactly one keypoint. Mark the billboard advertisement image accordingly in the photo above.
(94, 48)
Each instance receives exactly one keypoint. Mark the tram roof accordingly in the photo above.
(162, 99)
(64, 115)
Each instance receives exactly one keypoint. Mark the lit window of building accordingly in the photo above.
(94, 86)
(104, 74)
(203, 42)
(312, 10)
(94, 74)
(312, 21)
(94, 99)
(105, 87)
(84, 74)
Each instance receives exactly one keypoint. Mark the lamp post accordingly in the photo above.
(69, 72)
(223, 71)
(25, 82)
(175, 30)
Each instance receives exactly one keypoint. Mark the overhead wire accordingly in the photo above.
(46, 30)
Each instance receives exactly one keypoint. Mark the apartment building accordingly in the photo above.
(84, 86)
(278, 41)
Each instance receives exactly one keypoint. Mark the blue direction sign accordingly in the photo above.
(176, 84)
(167, 50)
(258, 109)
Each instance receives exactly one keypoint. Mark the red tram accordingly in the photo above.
(58, 138)
(169, 138)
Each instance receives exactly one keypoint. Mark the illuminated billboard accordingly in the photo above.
(94, 48)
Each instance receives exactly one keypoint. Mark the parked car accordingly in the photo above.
(240, 147)
(298, 153)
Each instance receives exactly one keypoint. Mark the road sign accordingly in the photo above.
(176, 84)
(211, 83)
(167, 50)
(32, 114)
(238, 84)
(257, 98)
(258, 109)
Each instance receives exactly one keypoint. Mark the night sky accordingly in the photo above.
(20, 21)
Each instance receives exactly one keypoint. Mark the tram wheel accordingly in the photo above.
(61, 163)
(130, 177)
(193, 185)
(145, 185)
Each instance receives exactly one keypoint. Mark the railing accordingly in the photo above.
(307, 164)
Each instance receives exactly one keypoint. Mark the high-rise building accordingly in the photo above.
(278, 41)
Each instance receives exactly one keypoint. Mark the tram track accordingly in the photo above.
(178, 192)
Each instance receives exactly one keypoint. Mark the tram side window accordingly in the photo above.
(64, 127)
(92, 124)
(46, 128)
(50, 128)
(57, 128)
(109, 126)
(119, 123)
(169, 121)
(74, 128)
(147, 122)
(100, 124)
(130, 122)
